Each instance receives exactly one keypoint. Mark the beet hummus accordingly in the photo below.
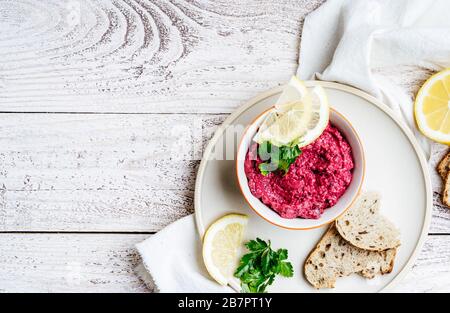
(314, 182)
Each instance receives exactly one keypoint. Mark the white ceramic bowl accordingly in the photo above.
(330, 214)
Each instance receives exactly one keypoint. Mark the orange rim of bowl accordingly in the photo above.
(320, 225)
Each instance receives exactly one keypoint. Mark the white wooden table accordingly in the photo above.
(89, 93)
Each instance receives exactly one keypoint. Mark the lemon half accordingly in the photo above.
(432, 107)
(222, 244)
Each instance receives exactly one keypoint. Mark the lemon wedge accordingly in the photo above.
(221, 246)
(300, 115)
(432, 107)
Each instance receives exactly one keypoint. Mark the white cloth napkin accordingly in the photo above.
(173, 259)
(347, 41)
(343, 41)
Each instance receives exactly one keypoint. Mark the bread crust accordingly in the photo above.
(365, 227)
(322, 267)
(446, 193)
(444, 166)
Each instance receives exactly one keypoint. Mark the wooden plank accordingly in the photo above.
(93, 211)
(93, 172)
(97, 152)
(69, 263)
(440, 220)
(105, 263)
(111, 172)
(106, 172)
(145, 56)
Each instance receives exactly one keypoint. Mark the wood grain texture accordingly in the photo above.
(106, 263)
(145, 56)
(99, 172)
(69, 263)
(431, 270)
(106, 172)
(91, 172)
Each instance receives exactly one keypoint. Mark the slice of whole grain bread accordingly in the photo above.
(333, 257)
(446, 194)
(364, 227)
(444, 166)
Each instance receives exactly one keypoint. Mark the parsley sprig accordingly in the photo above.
(258, 268)
(277, 158)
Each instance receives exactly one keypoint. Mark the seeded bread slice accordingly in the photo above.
(333, 257)
(444, 166)
(364, 227)
(446, 194)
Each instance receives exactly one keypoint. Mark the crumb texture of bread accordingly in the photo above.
(444, 166)
(364, 227)
(334, 257)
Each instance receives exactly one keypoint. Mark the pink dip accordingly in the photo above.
(314, 182)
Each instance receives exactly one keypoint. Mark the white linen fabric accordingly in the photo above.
(349, 41)
(173, 258)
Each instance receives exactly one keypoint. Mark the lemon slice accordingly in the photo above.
(432, 107)
(320, 116)
(299, 115)
(293, 94)
(221, 246)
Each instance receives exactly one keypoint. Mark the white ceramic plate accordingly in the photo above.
(395, 167)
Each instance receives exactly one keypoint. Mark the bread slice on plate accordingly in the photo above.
(334, 257)
(364, 227)
(444, 166)
(446, 194)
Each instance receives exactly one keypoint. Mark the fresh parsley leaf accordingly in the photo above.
(286, 269)
(265, 260)
(290, 152)
(265, 168)
(282, 254)
(245, 264)
(277, 158)
(257, 245)
(258, 268)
